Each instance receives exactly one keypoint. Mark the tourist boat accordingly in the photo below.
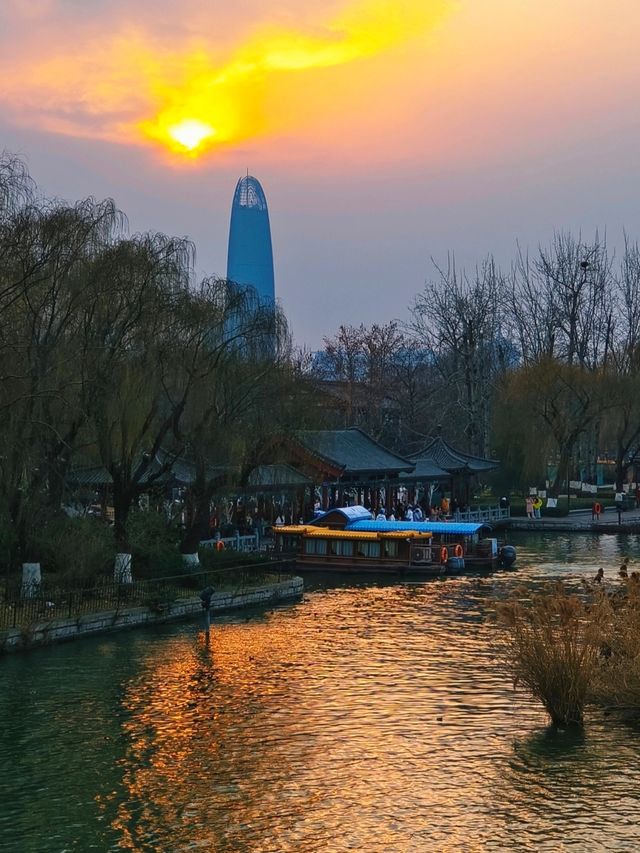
(451, 547)
(460, 545)
(321, 549)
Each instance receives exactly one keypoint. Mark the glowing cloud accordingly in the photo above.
(132, 89)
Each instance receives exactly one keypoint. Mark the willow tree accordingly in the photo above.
(138, 349)
(47, 250)
(544, 408)
(233, 389)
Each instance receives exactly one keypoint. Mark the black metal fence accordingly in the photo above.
(21, 607)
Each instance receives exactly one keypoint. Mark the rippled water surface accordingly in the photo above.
(366, 717)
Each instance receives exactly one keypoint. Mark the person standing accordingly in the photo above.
(529, 507)
(537, 506)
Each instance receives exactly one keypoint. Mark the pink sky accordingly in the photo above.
(384, 133)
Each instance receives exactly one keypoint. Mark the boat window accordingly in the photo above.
(369, 549)
(391, 549)
(344, 547)
(315, 546)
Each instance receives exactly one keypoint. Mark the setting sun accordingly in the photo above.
(191, 133)
(196, 93)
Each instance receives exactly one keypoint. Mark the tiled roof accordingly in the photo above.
(279, 475)
(354, 451)
(426, 469)
(181, 471)
(442, 455)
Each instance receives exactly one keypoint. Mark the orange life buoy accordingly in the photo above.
(219, 545)
(458, 550)
(444, 554)
(597, 509)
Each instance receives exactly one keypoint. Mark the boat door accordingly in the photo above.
(420, 555)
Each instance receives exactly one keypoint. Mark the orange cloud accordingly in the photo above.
(130, 88)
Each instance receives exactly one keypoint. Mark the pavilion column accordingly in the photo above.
(387, 498)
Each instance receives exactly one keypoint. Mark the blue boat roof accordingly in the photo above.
(450, 527)
(351, 514)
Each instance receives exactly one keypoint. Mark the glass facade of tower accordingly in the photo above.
(250, 257)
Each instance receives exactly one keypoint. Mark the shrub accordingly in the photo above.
(154, 546)
(76, 549)
(210, 559)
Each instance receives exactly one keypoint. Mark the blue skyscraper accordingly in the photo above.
(250, 257)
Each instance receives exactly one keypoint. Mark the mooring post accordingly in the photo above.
(205, 598)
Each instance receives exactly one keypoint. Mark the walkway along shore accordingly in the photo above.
(580, 521)
(57, 630)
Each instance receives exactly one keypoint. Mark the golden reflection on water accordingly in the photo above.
(369, 719)
(336, 732)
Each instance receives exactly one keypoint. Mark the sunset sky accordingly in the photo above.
(384, 133)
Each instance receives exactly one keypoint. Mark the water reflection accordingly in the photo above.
(367, 717)
(589, 776)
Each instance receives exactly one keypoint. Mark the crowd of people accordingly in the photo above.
(441, 511)
(245, 518)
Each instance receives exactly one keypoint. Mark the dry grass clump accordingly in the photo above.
(551, 646)
(616, 680)
(572, 650)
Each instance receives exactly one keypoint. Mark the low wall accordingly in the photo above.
(57, 630)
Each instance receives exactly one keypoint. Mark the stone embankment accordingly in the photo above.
(57, 630)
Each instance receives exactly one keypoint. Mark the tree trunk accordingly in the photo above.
(561, 473)
(621, 470)
(198, 526)
(123, 498)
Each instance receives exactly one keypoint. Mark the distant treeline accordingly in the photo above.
(535, 365)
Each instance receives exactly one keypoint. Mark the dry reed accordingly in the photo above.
(570, 651)
(551, 647)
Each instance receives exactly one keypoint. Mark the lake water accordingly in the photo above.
(366, 717)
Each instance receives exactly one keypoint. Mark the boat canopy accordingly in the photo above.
(449, 527)
(310, 532)
(346, 514)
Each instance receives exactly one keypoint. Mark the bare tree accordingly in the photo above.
(560, 302)
(459, 320)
